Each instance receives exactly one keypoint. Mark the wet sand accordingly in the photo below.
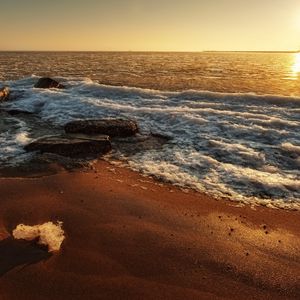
(130, 237)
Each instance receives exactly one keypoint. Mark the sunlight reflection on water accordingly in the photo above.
(296, 66)
(260, 73)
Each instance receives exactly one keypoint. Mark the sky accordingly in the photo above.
(150, 25)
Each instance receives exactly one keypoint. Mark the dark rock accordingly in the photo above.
(71, 146)
(111, 127)
(15, 112)
(48, 83)
(4, 93)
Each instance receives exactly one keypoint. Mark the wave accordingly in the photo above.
(86, 85)
(240, 146)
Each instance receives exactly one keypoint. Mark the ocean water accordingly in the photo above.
(233, 119)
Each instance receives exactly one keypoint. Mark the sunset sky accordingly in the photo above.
(144, 25)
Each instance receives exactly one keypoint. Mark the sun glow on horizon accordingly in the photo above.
(296, 65)
(157, 25)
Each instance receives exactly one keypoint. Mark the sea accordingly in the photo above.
(232, 119)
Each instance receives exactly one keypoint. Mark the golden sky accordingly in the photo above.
(150, 25)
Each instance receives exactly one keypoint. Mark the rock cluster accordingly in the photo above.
(85, 138)
(82, 138)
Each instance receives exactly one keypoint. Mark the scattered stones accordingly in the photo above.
(111, 127)
(4, 93)
(48, 83)
(71, 147)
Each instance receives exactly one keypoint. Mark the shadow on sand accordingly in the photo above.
(15, 253)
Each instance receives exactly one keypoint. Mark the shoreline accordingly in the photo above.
(43, 168)
(132, 237)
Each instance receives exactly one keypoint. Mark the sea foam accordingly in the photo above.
(48, 234)
(240, 146)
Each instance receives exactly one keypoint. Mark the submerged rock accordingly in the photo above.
(4, 93)
(15, 112)
(161, 136)
(137, 144)
(111, 127)
(48, 83)
(76, 147)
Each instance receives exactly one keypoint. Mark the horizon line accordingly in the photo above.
(161, 51)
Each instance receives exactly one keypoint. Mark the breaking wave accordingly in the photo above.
(240, 146)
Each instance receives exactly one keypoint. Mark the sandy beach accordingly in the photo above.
(150, 150)
(131, 237)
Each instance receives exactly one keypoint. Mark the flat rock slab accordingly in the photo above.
(71, 146)
(111, 127)
(4, 93)
(48, 83)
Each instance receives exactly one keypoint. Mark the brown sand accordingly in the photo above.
(129, 237)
